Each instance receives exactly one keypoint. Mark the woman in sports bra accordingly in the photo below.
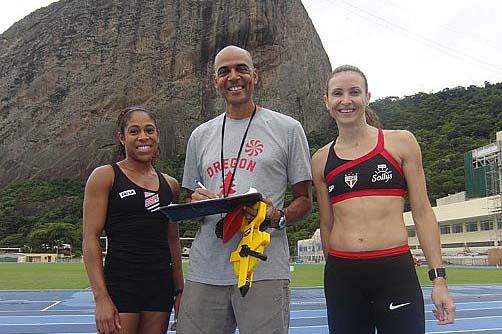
(142, 277)
(361, 179)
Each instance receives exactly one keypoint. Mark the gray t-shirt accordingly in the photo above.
(275, 152)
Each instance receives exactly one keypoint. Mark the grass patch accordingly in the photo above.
(465, 275)
(27, 276)
(39, 276)
(307, 275)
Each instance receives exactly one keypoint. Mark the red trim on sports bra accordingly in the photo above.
(392, 161)
(369, 192)
(369, 254)
(378, 148)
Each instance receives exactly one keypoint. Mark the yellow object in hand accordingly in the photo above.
(250, 249)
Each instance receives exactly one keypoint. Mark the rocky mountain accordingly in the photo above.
(68, 68)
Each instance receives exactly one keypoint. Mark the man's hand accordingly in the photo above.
(201, 194)
(251, 213)
(445, 309)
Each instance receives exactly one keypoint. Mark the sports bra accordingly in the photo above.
(376, 173)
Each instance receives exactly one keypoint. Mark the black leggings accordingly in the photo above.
(382, 293)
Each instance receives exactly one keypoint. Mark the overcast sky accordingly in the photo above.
(403, 46)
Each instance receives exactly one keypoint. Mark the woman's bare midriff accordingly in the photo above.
(368, 223)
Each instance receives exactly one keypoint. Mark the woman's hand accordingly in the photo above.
(177, 303)
(107, 317)
(445, 309)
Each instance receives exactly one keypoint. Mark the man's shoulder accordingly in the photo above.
(272, 115)
(210, 124)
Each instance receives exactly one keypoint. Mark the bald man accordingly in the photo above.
(246, 146)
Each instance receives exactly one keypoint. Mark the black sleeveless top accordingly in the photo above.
(376, 173)
(137, 233)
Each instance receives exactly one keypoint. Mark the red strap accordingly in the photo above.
(369, 254)
(369, 192)
(377, 149)
(392, 161)
(232, 223)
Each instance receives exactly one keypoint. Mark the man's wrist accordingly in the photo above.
(274, 217)
(282, 219)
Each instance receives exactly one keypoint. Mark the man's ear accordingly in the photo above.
(215, 82)
(255, 79)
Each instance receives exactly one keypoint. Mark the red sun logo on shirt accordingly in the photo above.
(254, 147)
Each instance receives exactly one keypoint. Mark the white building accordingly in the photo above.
(466, 227)
(310, 250)
(471, 226)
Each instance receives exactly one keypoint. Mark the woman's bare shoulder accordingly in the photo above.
(322, 152)
(173, 183)
(398, 135)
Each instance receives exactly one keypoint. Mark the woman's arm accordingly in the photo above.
(95, 206)
(173, 238)
(325, 209)
(425, 222)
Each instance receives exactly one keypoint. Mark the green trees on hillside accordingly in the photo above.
(38, 213)
(447, 124)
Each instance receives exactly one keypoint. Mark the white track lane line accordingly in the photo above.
(50, 306)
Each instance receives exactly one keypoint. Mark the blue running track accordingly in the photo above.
(479, 311)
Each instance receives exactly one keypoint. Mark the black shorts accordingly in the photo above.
(155, 294)
(382, 293)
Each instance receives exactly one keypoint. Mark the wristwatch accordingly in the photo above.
(437, 272)
(281, 223)
(282, 220)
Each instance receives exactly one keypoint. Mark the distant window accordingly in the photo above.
(486, 225)
(457, 228)
(411, 232)
(481, 244)
(471, 227)
(453, 245)
(445, 229)
(499, 225)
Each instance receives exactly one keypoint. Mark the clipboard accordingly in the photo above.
(187, 211)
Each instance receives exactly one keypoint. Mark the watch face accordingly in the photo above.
(437, 272)
(282, 222)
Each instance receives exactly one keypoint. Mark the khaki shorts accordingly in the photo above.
(221, 309)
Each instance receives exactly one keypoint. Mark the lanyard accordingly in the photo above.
(227, 191)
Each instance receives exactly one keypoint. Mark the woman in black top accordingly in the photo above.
(361, 179)
(142, 276)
